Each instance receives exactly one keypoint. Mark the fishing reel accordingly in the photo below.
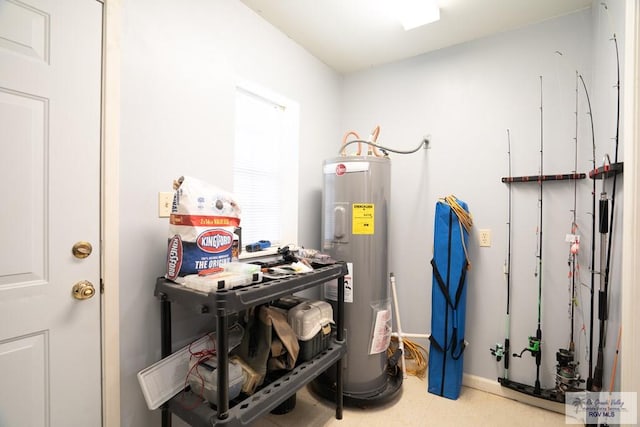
(533, 347)
(567, 376)
(565, 358)
(497, 352)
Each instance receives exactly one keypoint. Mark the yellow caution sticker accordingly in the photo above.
(362, 218)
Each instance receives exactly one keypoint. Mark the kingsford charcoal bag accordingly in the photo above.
(202, 228)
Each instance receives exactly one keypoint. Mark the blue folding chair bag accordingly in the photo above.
(448, 299)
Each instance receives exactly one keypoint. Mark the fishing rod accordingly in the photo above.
(603, 228)
(534, 342)
(593, 237)
(575, 244)
(538, 353)
(603, 293)
(590, 347)
(567, 376)
(501, 351)
(508, 271)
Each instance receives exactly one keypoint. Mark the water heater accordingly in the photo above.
(355, 216)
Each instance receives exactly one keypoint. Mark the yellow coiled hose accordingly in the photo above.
(415, 353)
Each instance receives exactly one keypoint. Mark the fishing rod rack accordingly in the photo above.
(538, 178)
(566, 376)
(606, 171)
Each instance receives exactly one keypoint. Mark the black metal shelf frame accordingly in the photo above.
(223, 303)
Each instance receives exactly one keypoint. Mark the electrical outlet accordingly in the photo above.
(484, 236)
(165, 200)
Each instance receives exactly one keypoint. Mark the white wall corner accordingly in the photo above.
(630, 346)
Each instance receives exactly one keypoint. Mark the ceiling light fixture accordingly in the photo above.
(415, 13)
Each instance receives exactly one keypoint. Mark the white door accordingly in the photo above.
(50, 60)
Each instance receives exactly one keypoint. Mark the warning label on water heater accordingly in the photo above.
(331, 288)
(362, 218)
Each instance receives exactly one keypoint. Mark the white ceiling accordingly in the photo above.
(351, 35)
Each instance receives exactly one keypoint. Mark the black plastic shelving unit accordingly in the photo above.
(223, 303)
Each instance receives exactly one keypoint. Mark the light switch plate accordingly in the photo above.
(165, 199)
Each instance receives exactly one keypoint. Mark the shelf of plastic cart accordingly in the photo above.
(228, 301)
(199, 413)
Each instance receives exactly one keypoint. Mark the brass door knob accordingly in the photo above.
(82, 249)
(83, 290)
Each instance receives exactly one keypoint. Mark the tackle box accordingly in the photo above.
(203, 379)
(311, 322)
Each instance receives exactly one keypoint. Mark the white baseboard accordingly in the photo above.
(494, 387)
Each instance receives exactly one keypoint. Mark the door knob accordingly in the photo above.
(81, 249)
(83, 290)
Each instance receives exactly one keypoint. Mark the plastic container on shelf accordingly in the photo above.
(221, 280)
(311, 321)
(241, 267)
(203, 379)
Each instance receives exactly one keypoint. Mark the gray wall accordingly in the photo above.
(179, 64)
(466, 97)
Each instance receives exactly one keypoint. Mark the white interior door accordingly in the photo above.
(50, 64)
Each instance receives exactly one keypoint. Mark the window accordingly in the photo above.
(265, 166)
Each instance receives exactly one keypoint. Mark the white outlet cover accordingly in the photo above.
(484, 237)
